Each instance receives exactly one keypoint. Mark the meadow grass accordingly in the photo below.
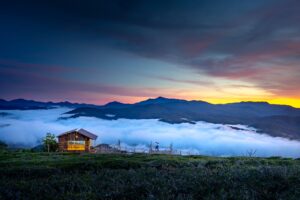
(27, 175)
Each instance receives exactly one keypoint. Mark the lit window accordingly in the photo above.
(76, 142)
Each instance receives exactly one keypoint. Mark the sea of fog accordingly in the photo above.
(28, 127)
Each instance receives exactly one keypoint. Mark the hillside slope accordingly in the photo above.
(275, 120)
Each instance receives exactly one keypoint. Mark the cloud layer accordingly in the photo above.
(28, 127)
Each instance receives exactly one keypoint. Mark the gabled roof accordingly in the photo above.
(82, 132)
(87, 134)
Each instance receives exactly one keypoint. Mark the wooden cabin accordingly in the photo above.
(76, 141)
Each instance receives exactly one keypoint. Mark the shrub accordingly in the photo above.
(49, 142)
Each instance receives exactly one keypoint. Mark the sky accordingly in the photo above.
(97, 51)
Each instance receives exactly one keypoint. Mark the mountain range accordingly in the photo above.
(23, 104)
(275, 120)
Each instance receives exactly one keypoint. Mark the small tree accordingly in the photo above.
(50, 143)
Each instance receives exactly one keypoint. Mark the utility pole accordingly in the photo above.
(119, 145)
(171, 148)
(150, 147)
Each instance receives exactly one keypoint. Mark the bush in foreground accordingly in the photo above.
(90, 176)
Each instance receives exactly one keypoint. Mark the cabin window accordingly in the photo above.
(76, 142)
(76, 145)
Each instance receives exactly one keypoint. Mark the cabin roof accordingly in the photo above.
(82, 132)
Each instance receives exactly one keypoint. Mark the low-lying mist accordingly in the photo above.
(28, 127)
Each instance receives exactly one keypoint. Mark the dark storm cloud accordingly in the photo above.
(255, 41)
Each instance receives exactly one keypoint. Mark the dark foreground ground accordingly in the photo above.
(25, 175)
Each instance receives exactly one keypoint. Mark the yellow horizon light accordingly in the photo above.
(280, 101)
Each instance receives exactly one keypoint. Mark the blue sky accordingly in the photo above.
(98, 51)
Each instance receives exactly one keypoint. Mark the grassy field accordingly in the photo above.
(26, 175)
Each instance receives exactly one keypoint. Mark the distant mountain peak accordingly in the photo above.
(160, 97)
(24, 104)
(250, 103)
(22, 100)
(160, 100)
(255, 102)
(116, 104)
(113, 103)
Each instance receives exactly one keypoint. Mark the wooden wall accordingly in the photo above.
(74, 136)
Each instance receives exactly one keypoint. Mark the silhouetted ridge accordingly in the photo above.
(256, 114)
(275, 120)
